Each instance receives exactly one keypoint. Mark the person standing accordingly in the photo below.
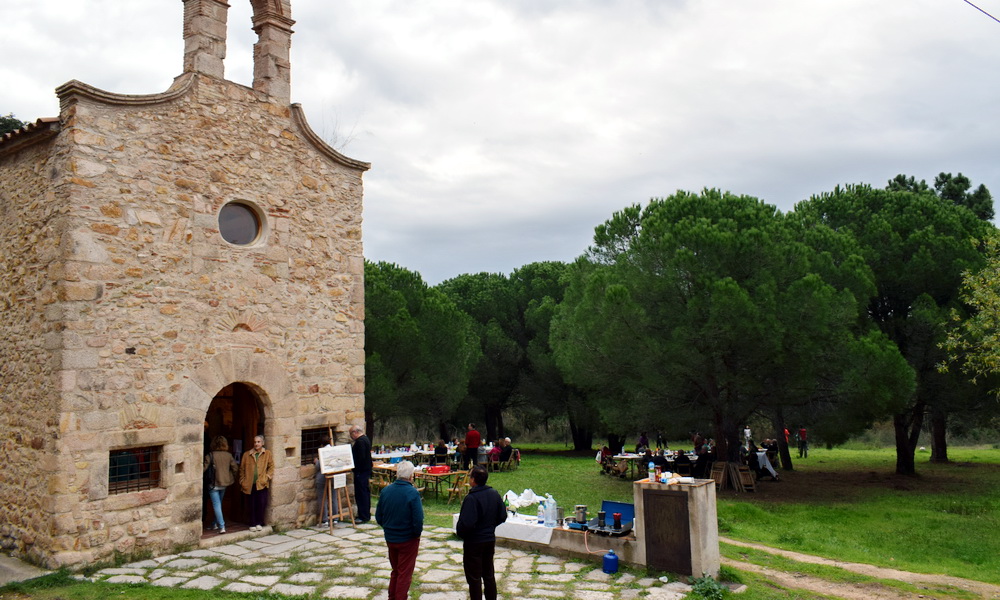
(400, 512)
(803, 444)
(482, 510)
(643, 444)
(256, 472)
(362, 452)
(746, 435)
(472, 442)
(225, 476)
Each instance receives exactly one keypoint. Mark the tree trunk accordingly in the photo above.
(779, 426)
(493, 422)
(939, 436)
(583, 437)
(370, 425)
(907, 429)
(443, 431)
(727, 439)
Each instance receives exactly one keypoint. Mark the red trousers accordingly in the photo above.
(402, 557)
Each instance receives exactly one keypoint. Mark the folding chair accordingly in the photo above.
(510, 464)
(719, 474)
(460, 489)
(747, 479)
(380, 479)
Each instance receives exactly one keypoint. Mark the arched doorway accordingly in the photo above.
(237, 413)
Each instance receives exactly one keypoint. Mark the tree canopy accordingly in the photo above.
(917, 243)
(9, 123)
(420, 349)
(703, 309)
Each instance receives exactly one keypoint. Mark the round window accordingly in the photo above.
(239, 224)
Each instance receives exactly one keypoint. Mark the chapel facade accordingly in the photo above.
(176, 266)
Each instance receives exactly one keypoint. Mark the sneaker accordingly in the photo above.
(214, 527)
(222, 530)
(324, 524)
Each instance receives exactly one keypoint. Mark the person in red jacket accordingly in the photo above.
(472, 442)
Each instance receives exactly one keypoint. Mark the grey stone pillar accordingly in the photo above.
(271, 67)
(677, 528)
(205, 36)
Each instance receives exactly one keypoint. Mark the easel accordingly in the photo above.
(343, 499)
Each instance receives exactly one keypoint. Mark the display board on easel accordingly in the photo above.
(335, 462)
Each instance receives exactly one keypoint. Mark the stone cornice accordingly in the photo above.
(71, 91)
(272, 18)
(299, 117)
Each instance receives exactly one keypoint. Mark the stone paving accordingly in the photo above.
(352, 563)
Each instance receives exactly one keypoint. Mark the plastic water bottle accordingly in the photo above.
(610, 565)
(652, 472)
(550, 511)
(541, 514)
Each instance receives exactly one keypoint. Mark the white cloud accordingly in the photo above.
(502, 132)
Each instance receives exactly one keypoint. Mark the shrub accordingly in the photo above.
(707, 588)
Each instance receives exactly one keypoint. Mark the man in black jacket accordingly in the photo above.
(362, 451)
(482, 511)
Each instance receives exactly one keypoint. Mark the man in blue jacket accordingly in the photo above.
(400, 512)
(482, 511)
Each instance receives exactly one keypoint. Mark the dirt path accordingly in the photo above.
(932, 583)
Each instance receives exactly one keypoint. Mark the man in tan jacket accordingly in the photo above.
(256, 471)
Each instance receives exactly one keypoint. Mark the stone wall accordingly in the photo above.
(153, 313)
(31, 215)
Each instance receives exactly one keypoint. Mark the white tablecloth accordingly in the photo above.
(765, 463)
(390, 455)
(520, 527)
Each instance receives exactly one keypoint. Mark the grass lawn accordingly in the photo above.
(849, 504)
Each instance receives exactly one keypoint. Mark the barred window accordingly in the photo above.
(312, 439)
(134, 469)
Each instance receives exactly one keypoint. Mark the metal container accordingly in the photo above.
(581, 513)
(601, 516)
(560, 516)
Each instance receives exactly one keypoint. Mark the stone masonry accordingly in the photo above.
(125, 312)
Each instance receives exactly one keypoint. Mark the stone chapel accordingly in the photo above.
(176, 266)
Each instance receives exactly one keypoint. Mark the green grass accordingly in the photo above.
(848, 504)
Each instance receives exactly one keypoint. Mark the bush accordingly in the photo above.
(707, 588)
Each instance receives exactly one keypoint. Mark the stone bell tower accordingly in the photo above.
(205, 43)
(179, 267)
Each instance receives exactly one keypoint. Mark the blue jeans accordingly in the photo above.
(216, 496)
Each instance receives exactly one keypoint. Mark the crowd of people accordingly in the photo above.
(400, 508)
(758, 459)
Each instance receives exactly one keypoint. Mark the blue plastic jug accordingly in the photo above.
(610, 563)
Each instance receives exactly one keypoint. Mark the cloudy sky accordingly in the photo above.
(501, 132)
